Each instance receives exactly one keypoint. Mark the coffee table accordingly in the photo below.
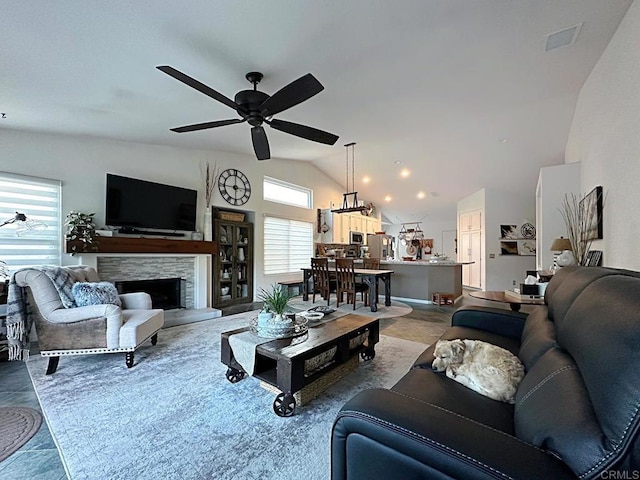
(290, 364)
(502, 297)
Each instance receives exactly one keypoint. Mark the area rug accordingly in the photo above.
(175, 416)
(17, 426)
(396, 309)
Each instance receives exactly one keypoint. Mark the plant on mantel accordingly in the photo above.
(81, 232)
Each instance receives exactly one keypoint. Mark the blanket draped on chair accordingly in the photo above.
(19, 315)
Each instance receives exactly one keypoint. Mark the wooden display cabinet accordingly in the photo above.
(233, 265)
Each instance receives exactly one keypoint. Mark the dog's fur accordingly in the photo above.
(485, 368)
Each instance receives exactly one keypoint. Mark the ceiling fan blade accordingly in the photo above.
(204, 126)
(303, 131)
(201, 87)
(260, 143)
(290, 95)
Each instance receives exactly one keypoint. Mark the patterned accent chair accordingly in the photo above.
(89, 329)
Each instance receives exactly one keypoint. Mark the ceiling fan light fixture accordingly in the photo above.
(355, 205)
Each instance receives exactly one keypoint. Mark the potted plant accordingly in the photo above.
(276, 302)
(81, 231)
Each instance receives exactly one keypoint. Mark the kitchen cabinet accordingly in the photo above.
(233, 266)
(340, 224)
(470, 247)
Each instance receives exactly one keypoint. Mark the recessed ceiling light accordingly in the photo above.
(387, 198)
(504, 140)
(397, 162)
(421, 195)
(366, 179)
(405, 173)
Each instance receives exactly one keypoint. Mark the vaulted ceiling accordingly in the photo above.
(462, 94)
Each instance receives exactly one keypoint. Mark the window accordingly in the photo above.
(39, 200)
(288, 245)
(287, 193)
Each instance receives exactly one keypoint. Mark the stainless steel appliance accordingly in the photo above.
(380, 246)
(356, 238)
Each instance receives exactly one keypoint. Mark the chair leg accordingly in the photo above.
(129, 359)
(154, 339)
(53, 365)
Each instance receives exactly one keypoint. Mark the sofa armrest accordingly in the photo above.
(112, 314)
(136, 301)
(494, 320)
(381, 434)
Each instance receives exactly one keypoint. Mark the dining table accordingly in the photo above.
(369, 276)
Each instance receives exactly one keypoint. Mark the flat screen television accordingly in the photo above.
(140, 204)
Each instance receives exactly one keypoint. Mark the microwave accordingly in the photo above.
(356, 238)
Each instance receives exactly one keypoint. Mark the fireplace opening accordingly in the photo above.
(166, 293)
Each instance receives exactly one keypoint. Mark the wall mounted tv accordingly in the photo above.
(139, 204)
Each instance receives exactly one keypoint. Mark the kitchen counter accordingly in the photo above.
(418, 280)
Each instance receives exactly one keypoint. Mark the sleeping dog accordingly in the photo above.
(485, 368)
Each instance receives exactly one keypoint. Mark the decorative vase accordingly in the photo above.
(565, 259)
(208, 233)
(241, 256)
(264, 319)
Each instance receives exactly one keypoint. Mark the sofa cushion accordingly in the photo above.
(442, 392)
(553, 412)
(95, 293)
(538, 336)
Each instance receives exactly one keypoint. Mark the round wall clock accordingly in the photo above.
(528, 231)
(234, 186)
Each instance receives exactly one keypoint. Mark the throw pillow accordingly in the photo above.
(88, 293)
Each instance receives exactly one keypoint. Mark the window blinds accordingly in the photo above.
(38, 199)
(288, 245)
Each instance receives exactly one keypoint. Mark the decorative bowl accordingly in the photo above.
(224, 290)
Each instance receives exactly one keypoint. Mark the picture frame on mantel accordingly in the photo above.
(591, 208)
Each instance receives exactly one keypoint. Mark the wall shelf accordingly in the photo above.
(145, 245)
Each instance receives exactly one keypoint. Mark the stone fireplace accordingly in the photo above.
(194, 272)
(165, 293)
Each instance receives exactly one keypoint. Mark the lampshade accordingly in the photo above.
(560, 244)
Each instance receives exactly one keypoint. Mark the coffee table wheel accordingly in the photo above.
(368, 355)
(284, 405)
(234, 376)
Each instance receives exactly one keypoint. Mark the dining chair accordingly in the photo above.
(322, 282)
(347, 282)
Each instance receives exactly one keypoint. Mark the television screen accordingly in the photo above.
(141, 204)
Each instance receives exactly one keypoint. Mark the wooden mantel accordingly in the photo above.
(145, 245)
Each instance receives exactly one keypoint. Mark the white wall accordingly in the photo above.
(505, 209)
(500, 208)
(605, 138)
(82, 162)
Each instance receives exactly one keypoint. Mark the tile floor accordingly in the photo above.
(38, 459)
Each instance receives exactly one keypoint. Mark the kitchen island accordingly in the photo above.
(418, 280)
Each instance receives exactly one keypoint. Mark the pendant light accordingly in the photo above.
(354, 207)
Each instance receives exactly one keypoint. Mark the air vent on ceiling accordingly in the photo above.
(564, 37)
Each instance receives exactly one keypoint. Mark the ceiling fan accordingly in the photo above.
(257, 108)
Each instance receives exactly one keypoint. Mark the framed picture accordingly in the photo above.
(508, 248)
(591, 210)
(594, 257)
(509, 231)
(527, 247)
